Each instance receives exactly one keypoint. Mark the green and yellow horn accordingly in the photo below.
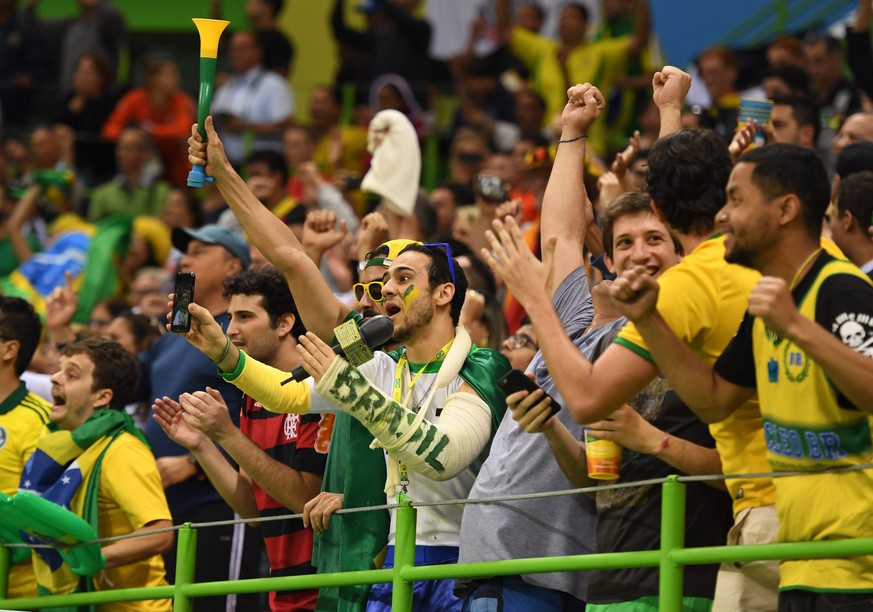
(210, 33)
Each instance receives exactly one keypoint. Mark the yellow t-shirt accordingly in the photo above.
(597, 63)
(22, 418)
(354, 140)
(129, 497)
(703, 299)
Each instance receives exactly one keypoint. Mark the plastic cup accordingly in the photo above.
(751, 108)
(604, 458)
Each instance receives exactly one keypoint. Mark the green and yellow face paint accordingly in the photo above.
(210, 33)
(408, 297)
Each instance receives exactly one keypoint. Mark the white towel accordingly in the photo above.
(395, 170)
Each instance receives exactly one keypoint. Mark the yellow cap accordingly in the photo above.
(394, 248)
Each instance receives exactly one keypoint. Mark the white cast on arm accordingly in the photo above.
(438, 450)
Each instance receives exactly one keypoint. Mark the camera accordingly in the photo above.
(491, 188)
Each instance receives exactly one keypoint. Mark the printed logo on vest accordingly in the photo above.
(3, 437)
(796, 363)
(855, 331)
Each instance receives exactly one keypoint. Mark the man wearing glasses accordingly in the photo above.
(520, 347)
(433, 404)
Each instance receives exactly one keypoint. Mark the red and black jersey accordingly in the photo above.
(301, 442)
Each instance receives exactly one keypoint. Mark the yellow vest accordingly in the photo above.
(806, 430)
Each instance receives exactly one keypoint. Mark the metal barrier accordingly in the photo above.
(670, 559)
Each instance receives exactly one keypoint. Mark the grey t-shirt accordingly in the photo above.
(523, 463)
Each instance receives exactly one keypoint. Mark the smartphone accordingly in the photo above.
(515, 380)
(183, 295)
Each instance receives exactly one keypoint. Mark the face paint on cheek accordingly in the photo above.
(409, 297)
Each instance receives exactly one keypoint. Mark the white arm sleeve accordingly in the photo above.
(438, 449)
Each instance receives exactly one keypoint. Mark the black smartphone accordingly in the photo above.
(183, 295)
(515, 380)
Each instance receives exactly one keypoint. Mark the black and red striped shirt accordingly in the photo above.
(301, 442)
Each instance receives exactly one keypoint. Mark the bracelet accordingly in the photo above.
(571, 139)
(665, 442)
(224, 354)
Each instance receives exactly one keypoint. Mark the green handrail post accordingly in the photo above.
(5, 555)
(672, 537)
(404, 554)
(186, 555)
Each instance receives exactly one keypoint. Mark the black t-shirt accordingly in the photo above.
(844, 306)
(629, 519)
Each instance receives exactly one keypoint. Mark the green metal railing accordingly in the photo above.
(671, 558)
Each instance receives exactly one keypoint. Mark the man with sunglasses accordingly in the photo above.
(433, 404)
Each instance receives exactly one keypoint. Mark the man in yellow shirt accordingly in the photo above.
(91, 436)
(557, 65)
(22, 415)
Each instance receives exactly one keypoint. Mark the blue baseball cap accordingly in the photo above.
(214, 234)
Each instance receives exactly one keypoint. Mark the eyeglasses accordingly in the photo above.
(445, 245)
(519, 341)
(374, 290)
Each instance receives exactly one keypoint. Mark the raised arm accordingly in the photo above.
(670, 86)
(642, 28)
(319, 309)
(711, 397)
(563, 214)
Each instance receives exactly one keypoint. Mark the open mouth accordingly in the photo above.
(59, 400)
(392, 309)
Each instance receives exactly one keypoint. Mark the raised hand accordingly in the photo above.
(206, 412)
(168, 413)
(61, 305)
(510, 208)
(635, 294)
(623, 161)
(209, 152)
(584, 103)
(743, 137)
(205, 334)
(670, 87)
(317, 356)
(372, 232)
(320, 231)
(510, 259)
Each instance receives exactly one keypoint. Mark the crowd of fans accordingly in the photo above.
(573, 171)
